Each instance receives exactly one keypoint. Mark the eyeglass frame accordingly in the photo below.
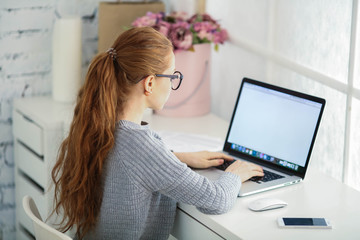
(172, 77)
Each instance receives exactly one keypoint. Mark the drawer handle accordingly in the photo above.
(28, 119)
(30, 150)
(25, 117)
(31, 181)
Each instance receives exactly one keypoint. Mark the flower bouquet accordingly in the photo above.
(184, 32)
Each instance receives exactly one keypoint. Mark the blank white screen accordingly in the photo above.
(274, 123)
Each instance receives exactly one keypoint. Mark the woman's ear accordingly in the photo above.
(148, 85)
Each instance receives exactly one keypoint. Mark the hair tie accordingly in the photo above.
(112, 53)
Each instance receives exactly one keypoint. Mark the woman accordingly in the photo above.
(115, 178)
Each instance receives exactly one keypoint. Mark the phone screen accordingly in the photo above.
(304, 222)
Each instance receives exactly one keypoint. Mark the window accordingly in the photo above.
(310, 46)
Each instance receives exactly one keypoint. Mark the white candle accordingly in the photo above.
(66, 60)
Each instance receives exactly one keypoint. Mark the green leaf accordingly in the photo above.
(216, 47)
(196, 40)
(205, 40)
(191, 49)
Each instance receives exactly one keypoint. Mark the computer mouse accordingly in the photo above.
(264, 204)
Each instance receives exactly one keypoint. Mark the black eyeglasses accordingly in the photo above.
(175, 79)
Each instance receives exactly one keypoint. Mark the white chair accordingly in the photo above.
(42, 230)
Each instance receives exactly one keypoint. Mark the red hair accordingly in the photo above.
(77, 174)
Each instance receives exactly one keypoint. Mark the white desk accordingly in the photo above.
(317, 196)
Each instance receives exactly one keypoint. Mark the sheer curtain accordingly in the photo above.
(306, 45)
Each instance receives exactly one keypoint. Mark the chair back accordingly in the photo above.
(41, 229)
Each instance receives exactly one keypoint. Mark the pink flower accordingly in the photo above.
(182, 31)
(204, 26)
(204, 30)
(220, 37)
(201, 18)
(144, 22)
(205, 35)
(207, 18)
(149, 20)
(181, 36)
(163, 27)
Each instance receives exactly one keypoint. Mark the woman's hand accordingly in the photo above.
(204, 159)
(245, 170)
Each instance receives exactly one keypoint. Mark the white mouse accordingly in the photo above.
(264, 204)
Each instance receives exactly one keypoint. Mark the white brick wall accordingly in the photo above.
(25, 70)
(26, 28)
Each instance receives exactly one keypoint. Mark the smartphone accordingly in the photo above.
(304, 222)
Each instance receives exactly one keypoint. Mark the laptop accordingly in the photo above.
(275, 128)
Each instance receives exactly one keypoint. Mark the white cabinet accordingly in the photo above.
(38, 127)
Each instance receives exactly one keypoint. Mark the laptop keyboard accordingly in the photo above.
(268, 176)
(225, 165)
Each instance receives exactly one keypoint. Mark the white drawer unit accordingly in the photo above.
(38, 128)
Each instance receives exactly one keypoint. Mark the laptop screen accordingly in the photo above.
(274, 125)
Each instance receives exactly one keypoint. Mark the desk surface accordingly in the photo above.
(317, 196)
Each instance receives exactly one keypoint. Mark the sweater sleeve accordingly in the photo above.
(156, 168)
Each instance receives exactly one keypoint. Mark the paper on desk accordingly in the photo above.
(184, 142)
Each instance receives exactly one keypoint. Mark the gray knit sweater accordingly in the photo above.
(142, 182)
